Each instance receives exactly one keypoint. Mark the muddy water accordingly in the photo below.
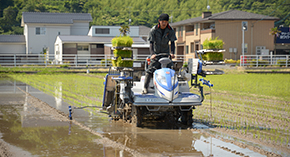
(24, 126)
(27, 131)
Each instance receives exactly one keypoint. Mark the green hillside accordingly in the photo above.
(142, 12)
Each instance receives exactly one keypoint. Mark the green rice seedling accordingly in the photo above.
(213, 44)
(122, 53)
(125, 41)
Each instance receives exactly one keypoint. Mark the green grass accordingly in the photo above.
(45, 70)
(77, 89)
(252, 104)
(277, 85)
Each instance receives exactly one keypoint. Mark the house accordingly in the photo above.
(69, 33)
(41, 29)
(88, 47)
(97, 43)
(12, 44)
(113, 31)
(191, 33)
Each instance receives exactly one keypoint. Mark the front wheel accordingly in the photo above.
(186, 117)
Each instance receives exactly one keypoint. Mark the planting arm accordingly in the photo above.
(205, 82)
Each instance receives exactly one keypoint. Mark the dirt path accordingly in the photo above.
(5, 150)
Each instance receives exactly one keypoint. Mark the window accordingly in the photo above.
(197, 45)
(83, 48)
(102, 31)
(186, 50)
(196, 29)
(191, 47)
(189, 28)
(208, 26)
(40, 30)
(100, 45)
(180, 31)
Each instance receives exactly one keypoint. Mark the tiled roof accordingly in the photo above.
(144, 30)
(12, 38)
(227, 15)
(90, 39)
(54, 18)
(240, 15)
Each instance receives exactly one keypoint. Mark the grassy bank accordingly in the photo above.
(50, 70)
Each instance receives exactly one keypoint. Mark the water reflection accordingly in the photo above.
(58, 95)
(26, 126)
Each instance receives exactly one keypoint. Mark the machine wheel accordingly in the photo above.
(186, 117)
(126, 112)
(137, 117)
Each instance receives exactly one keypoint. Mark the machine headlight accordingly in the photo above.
(161, 79)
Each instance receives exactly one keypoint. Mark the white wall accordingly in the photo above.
(79, 28)
(114, 31)
(58, 55)
(16, 48)
(35, 43)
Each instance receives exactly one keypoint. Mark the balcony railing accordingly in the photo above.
(189, 33)
(207, 31)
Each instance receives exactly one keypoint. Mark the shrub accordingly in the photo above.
(282, 62)
(260, 62)
(103, 62)
(212, 56)
(231, 61)
(64, 66)
(213, 44)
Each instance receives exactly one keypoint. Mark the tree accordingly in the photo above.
(275, 31)
(124, 30)
(8, 19)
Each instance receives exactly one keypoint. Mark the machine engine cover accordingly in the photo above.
(166, 84)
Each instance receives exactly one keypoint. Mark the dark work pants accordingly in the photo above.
(154, 65)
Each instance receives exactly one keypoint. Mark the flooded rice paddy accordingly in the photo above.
(33, 124)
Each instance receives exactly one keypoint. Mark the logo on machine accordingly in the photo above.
(150, 100)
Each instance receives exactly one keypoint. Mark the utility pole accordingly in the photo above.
(244, 28)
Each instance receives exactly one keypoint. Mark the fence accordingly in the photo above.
(69, 59)
(265, 60)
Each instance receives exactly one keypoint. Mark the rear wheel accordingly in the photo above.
(137, 116)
